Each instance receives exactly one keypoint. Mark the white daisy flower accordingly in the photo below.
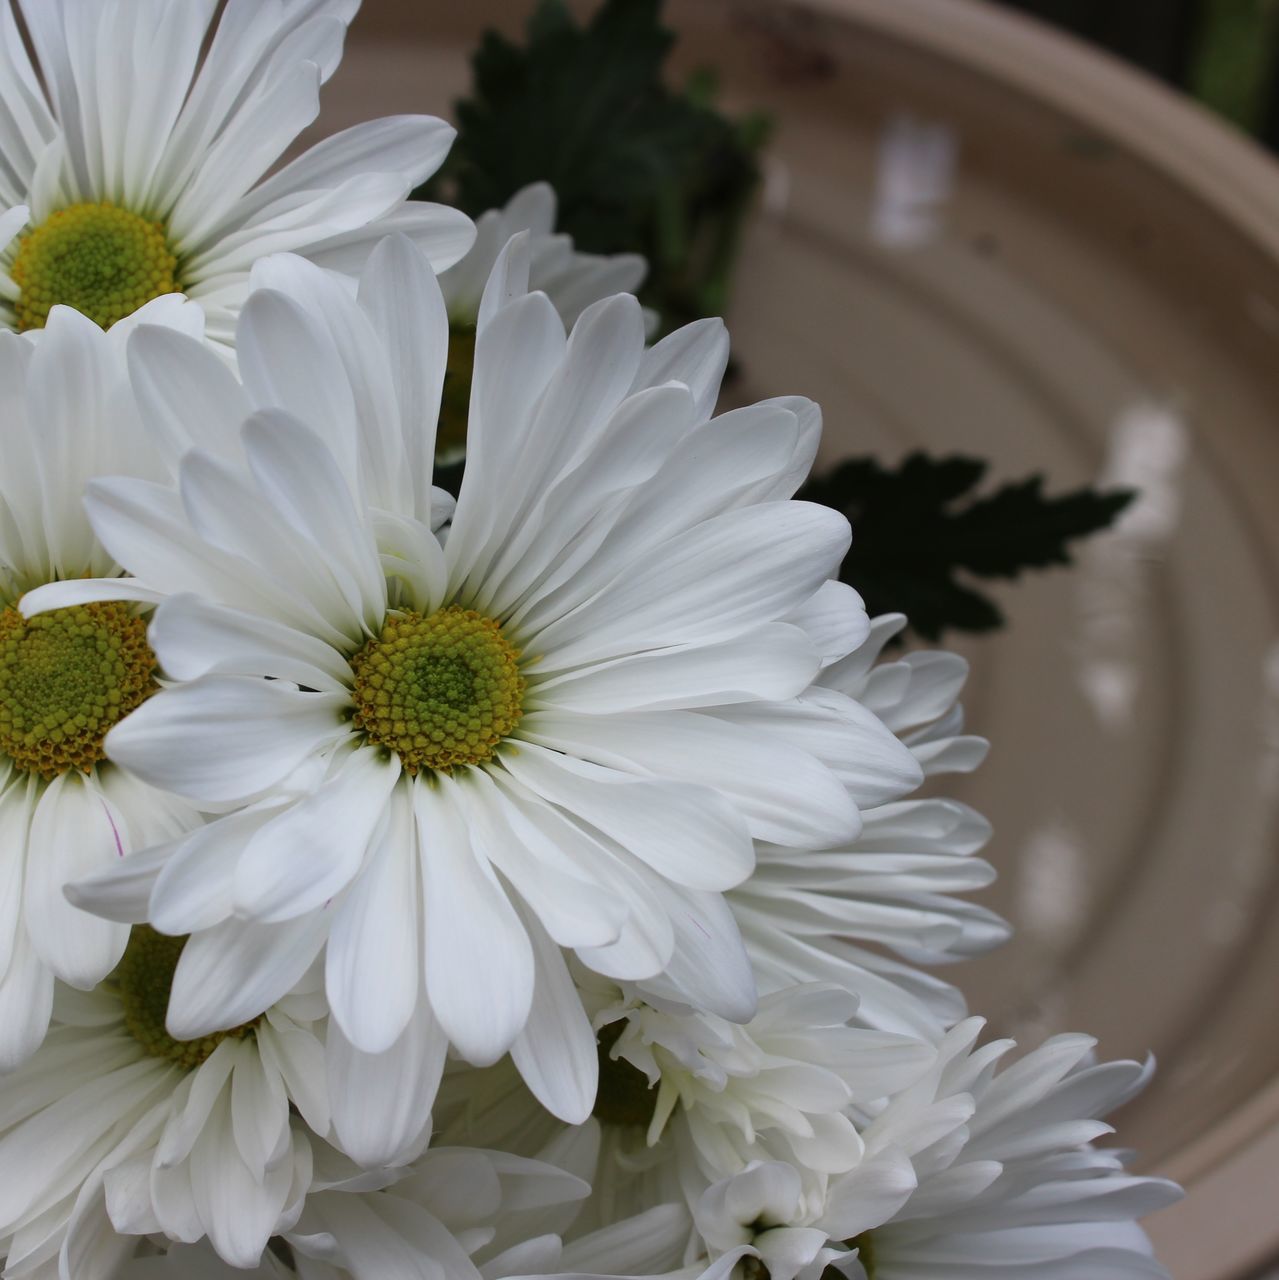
(686, 1098)
(868, 912)
(65, 679)
(968, 1173)
(120, 1130)
(141, 136)
(571, 280)
(724, 1096)
(561, 728)
(1010, 1183)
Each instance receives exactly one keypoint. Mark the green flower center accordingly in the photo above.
(102, 260)
(441, 691)
(455, 399)
(143, 980)
(65, 678)
(624, 1095)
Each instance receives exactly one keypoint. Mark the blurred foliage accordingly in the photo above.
(637, 166)
(1234, 61)
(1224, 52)
(920, 535)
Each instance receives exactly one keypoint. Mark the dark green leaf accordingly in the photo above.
(637, 166)
(919, 531)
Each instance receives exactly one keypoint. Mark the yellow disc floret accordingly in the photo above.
(440, 691)
(98, 258)
(143, 980)
(65, 678)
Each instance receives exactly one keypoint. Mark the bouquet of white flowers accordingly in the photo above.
(394, 886)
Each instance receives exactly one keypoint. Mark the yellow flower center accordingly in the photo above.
(102, 260)
(440, 691)
(65, 678)
(143, 980)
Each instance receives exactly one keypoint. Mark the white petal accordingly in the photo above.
(686, 833)
(382, 1102)
(186, 394)
(555, 1052)
(785, 795)
(772, 663)
(235, 971)
(373, 961)
(224, 737)
(479, 962)
(75, 831)
(309, 853)
(695, 355)
(193, 637)
(700, 587)
(26, 1003)
(402, 299)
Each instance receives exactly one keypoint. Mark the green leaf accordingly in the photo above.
(920, 534)
(638, 167)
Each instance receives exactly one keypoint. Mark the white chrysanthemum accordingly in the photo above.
(723, 1096)
(65, 811)
(572, 280)
(968, 1173)
(1010, 1184)
(142, 156)
(686, 1098)
(866, 913)
(560, 727)
(120, 1130)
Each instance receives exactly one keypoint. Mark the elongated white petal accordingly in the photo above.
(479, 962)
(75, 831)
(224, 737)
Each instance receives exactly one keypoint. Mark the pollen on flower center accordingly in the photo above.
(98, 258)
(143, 980)
(65, 678)
(624, 1095)
(440, 691)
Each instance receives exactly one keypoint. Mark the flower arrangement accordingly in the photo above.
(526, 880)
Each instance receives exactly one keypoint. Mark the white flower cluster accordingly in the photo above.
(399, 888)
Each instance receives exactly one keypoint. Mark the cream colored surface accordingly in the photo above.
(978, 236)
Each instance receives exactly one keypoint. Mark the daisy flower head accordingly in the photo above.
(869, 912)
(65, 810)
(686, 1098)
(140, 134)
(572, 280)
(559, 727)
(123, 1131)
(1010, 1183)
(967, 1172)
